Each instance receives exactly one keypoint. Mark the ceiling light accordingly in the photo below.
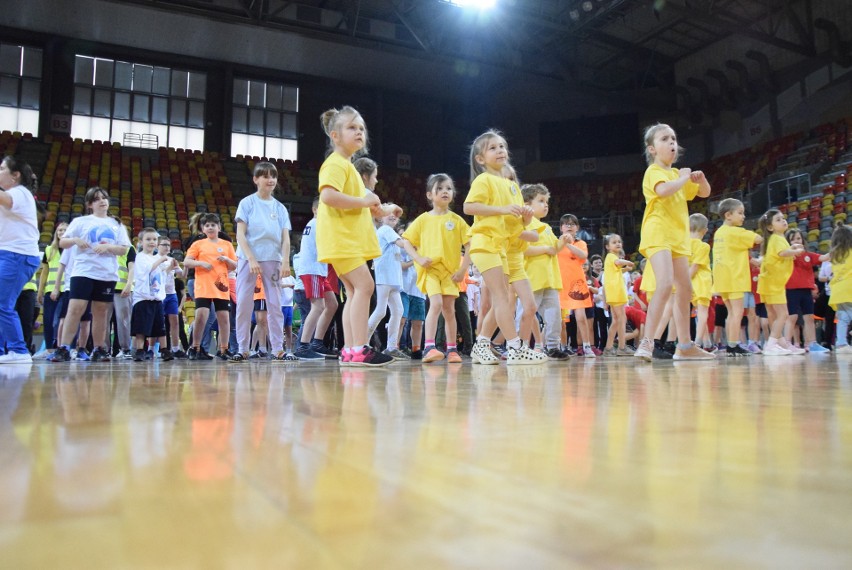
(587, 6)
(478, 4)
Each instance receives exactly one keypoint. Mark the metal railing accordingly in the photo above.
(141, 141)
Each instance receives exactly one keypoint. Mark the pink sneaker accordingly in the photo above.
(345, 357)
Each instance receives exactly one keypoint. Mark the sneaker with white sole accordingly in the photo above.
(645, 350)
(813, 348)
(775, 350)
(694, 352)
(843, 349)
(41, 355)
(16, 358)
(481, 353)
(524, 355)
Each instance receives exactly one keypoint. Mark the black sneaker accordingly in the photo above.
(416, 355)
(223, 354)
(556, 354)
(326, 352)
(370, 357)
(166, 355)
(139, 355)
(660, 351)
(61, 354)
(735, 351)
(238, 357)
(179, 354)
(305, 353)
(100, 355)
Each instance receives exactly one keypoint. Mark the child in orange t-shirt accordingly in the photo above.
(575, 295)
(212, 259)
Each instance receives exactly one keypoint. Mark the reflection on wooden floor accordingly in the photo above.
(608, 464)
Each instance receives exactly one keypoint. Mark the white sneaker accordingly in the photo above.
(481, 354)
(41, 355)
(843, 349)
(791, 348)
(524, 355)
(774, 349)
(124, 355)
(16, 358)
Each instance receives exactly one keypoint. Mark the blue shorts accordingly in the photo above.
(170, 304)
(413, 308)
(800, 301)
(288, 316)
(748, 300)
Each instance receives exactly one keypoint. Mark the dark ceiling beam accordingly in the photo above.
(734, 27)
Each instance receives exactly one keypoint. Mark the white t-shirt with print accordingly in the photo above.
(94, 231)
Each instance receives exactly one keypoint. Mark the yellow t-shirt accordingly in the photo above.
(730, 259)
(775, 270)
(490, 234)
(439, 238)
(702, 281)
(515, 225)
(344, 234)
(666, 220)
(614, 287)
(543, 270)
(841, 282)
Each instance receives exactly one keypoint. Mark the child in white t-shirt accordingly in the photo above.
(149, 292)
(288, 285)
(388, 270)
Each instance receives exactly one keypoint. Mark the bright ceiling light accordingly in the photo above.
(480, 4)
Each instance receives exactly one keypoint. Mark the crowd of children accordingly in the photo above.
(534, 296)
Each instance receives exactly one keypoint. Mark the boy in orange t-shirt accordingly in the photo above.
(212, 259)
(575, 295)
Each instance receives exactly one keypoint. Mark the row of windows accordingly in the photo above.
(112, 98)
(138, 107)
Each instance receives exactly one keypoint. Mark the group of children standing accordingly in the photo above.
(526, 270)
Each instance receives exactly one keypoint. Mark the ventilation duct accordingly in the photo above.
(707, 101)
(726, 93)
(766, 74)
(746, 87)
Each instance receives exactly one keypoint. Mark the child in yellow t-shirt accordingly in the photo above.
(542, 268)
(615, 292)
(775, 270)
(491, 202)
(702, 279)
(841, 284)
(731, 273)
(346, 238)
(434, 241)
(665, 237)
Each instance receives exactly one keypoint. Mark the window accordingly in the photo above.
(264, 119)
(112, 98)
(20, 88)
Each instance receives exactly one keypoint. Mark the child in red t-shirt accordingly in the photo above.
(801, 293)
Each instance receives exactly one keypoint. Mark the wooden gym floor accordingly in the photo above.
(584, 464)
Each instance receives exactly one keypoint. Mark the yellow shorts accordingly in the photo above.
(486, 261)
(733, 296)
(651, 251)
(566, 315)
(779, 299)
(436, 285)
(344, 266)
(701, 301)
(517, 272)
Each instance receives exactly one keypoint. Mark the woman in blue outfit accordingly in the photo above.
(19, 254)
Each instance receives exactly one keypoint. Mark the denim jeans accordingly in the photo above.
(15, 271)
(844, 316)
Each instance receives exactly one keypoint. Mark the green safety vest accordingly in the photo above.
(53, 257)
(122, 273)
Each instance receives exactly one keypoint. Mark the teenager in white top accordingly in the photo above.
(19, 254)
(100, 240)
(263, 240)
